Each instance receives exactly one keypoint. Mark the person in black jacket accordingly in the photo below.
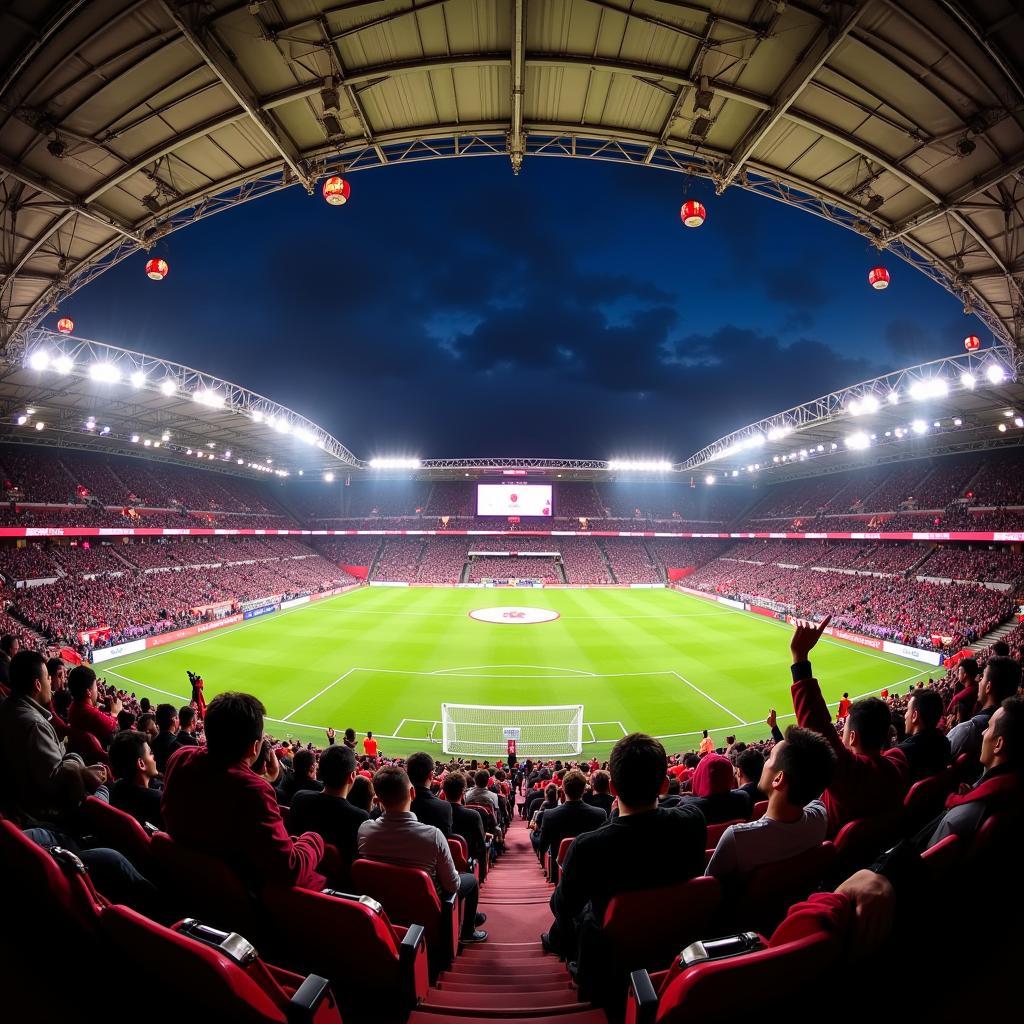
(302, 777)
(427, 807)
(573, 818)
(925, 748)
(466, 821)
(600, 794)
(749, 765)
(166, 742)
(644, 847)
(134, 767)
(328, 813)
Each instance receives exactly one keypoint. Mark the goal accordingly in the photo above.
(485, 729)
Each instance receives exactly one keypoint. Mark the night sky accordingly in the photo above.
(453, 309)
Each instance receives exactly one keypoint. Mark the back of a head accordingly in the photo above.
(165, 715)
(420, 767)
(350, 734)
(336, 765)
(713, 776)
(303, 762)
(929, 708)
(808, 763)
(54, 665)
(361, 793)
(391, 785)
(1010, 726)
(454, 786)
(233, 723)
(574, 784)
(550, 792)
(750, 762)
(482, 777)
(1003, 677)
(80, 680)
(1001, 649)
(7, 642)
(638, 765)
(969, 667)
(600, 781)
(125, 750)
(186, 716)
(26, 667)
(870, 719)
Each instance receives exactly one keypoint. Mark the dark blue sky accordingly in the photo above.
(453, 309)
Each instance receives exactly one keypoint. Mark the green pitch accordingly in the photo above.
(386, 658)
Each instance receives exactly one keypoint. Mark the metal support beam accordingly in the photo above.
(516, 138)
(49, 30)
(224, 67)
(824, 44)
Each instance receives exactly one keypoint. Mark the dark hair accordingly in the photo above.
(750, 762)
(125, 750)
(54, 665)
(7, 641)
(336, 764)
(574, 784)
(482, 777)
(454, 786)
(26, 667)
(809, 763)
(144, 721)
(361, 793)
(350, 734)
(928, 705)
(80, 680)
(186, 716)
(638, 765)
(870, 719)
(1003, 677)
(1011, 728)
(392, 783)
(303, 762)
(690, 760)
(165, 715)
(125, 719)
(970, 666)
(419, 767)
(550, 792)
(1001, 649)
(600, 781)
(144, 704)
(234, 722)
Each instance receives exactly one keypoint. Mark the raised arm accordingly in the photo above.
(808, 703)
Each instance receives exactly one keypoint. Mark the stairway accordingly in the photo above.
(606, 560)
(990, 638)
(509, 976)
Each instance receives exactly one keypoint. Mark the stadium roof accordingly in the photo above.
(124, 120)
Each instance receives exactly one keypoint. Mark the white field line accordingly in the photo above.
(589, 728)
(707, 696)
(329, 686)
(575, 618)
(469, 668)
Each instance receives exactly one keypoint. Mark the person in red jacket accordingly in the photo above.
(214, 802)
(84, 715)
(867, 782)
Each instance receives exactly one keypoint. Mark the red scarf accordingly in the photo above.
(1001, 789)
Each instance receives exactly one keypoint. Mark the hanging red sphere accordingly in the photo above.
(336, 191)
(972, 343)
(156, 270)
(878, 278)
(692, 213)
(65, 325)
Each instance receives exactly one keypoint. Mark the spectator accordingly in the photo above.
(713, 794)
(60, 702)
(927, 751)
(147, 724)
(867, 782)
(707, 744)
(166, 742)
(961, 706)
(481, 794)
(748, 771)
(85, 716)
(600, 796)
(187, 727)
(397, 837)
(796, 773)
(572, 819)
(134, 767)
(1001, 679)
(370, 745)
(40, 782)
(9, 645)
(646, 845)
(466, 821)
(302, 777)
(329, 813)
(350, 738)
(549, 803)
(215, 802)
(427, 807)
(361, 794)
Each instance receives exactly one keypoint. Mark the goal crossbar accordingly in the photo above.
(547, 730)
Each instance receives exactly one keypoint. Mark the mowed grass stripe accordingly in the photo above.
(632, 640)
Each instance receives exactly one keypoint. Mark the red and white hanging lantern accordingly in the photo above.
(336, 191)
(156, 269)
(65, 325)
(692, 213)
(972, 343)
(878, 278)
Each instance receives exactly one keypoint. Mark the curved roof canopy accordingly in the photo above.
(123, 120)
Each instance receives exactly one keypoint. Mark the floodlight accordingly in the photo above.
(39, 360)
(869, 404)
(138, 378)
(329, 477)
(893, 397)
(211, 399)
(168, 387)
(105, 373)
(40, 425)
(919, 427)
(147, 442)
(995, 373)
(63, 364)
(135, 438)
(165, 436)
(858, 441)
(400, 463)
(957, 422)
(257, 416)
(1018, 421)
(1002, 428)
(22, 420)
(968, 380)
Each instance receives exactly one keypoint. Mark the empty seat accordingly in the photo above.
(460, 854)
(553, 865)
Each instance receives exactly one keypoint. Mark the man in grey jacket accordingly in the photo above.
(1001, 679)
(41, 781)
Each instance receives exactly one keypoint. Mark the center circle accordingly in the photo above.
(513, 615)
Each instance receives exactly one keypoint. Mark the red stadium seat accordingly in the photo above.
(553, 865)
(87, 746)
(408, 896)
(859, 842)
(460, 854)
(943, 857)
(715, 831)
(390, 967)
(926, 799)
(759, 809)
(225, 977)
(118, 830)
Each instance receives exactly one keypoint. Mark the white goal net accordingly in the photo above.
(538, 731)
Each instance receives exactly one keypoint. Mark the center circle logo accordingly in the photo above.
(513, 615)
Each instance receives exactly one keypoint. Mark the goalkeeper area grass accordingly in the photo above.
(385, 659)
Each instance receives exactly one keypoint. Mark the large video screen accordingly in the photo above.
(513, 499)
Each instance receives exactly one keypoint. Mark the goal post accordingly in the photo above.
(549, 730)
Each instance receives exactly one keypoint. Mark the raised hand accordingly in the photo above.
(805, 636)
(770, 721)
